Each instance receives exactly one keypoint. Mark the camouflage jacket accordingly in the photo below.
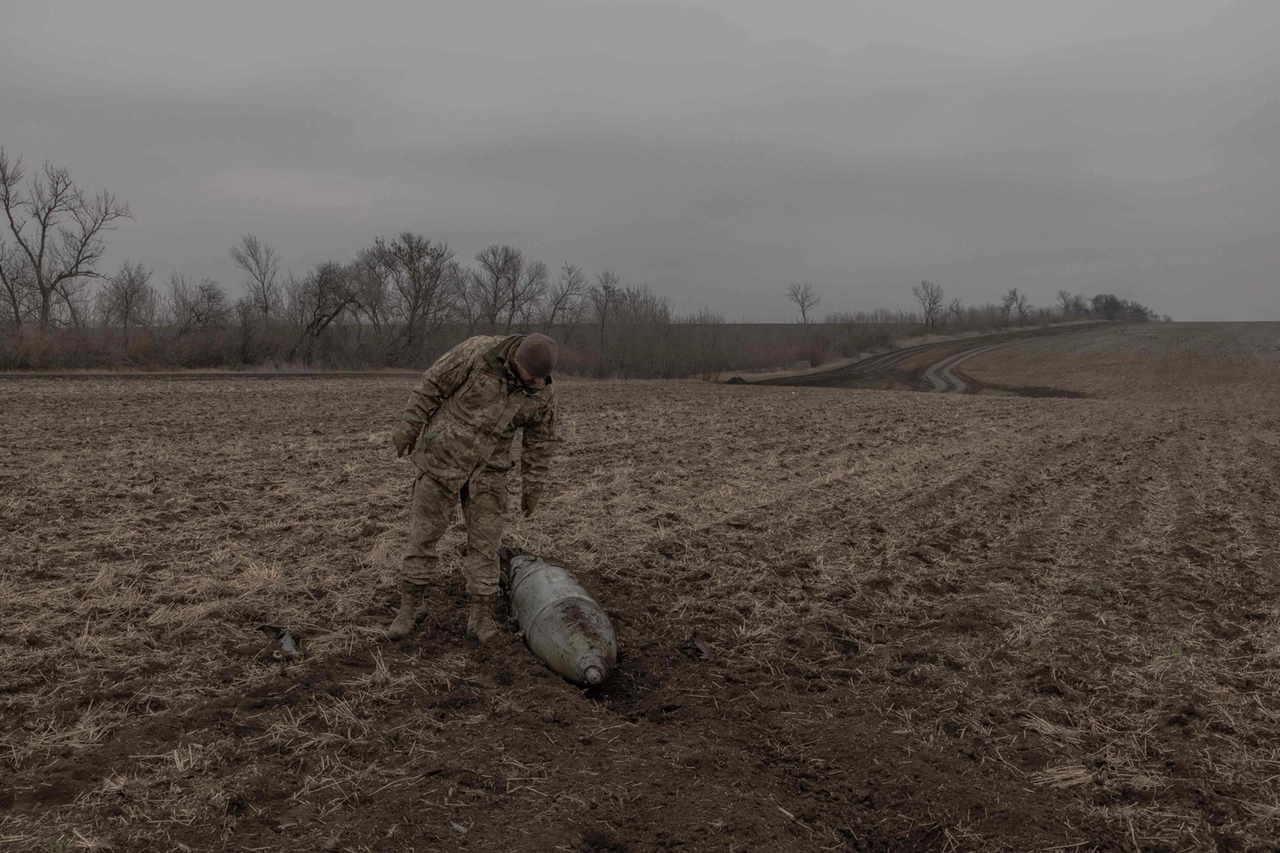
(466, 410)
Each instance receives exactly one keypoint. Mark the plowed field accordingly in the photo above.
(1225, 364)
(850, 620)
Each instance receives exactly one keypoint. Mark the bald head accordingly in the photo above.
(536, 355)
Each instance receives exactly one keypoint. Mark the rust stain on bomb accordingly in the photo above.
(561, 623)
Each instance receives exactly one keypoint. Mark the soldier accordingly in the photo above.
(458, 427)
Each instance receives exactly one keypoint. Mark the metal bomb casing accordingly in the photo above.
(561, 623)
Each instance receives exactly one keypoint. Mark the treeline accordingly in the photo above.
(1105, 306)
(402, 302)
(399, 303)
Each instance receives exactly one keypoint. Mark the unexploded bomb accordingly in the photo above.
(562, 624)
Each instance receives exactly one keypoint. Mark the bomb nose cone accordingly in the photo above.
(562, 624)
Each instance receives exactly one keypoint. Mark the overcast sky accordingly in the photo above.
(716, 151)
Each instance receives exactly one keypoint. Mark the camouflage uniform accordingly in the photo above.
(464, 414)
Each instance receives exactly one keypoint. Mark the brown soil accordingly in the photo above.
(849, 620)
(1227, 363)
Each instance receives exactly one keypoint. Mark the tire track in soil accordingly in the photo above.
(876, 514)
(999, 509)
(1229, 544)
(1140, 598)
(881, 467)
(942, 375)
(1257, 468)
(931, 642)
(1110, 472)
(1198, 581)
(1052, 640)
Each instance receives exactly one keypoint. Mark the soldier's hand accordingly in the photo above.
(528, 503)
(404, 443)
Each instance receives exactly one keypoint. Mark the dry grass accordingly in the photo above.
(850, 620)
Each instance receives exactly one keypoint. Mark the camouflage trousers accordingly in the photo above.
(484, 505)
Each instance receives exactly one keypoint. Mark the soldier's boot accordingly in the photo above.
(410, 603)
(480, 623)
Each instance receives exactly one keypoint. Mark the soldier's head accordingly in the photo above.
(535, 358)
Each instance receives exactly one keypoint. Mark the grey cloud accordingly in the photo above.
(714, 152)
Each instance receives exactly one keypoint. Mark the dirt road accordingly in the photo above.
(928, 367)
(943, 377)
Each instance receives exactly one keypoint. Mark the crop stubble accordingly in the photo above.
(849, 619)
(1226, 364)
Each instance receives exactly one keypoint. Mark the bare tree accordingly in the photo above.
(420, 278)
(494, 283)
(370, 281)
(708, 355)
(604, 297)
(640, 333)
(929, 295)
(58, 231)
(469, 301)
(954, 311)
(1022, 305)
(195, 306)
(317, 301)
(19, 286)
(247, 322)
(563, 302)
(1008, 302)
(75, 302)
(1065, 302)
(805, 298)
(261, 266)
(128, 300)
(196, 315)
(526, 292)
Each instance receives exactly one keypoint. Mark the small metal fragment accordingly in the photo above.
(288, 641)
